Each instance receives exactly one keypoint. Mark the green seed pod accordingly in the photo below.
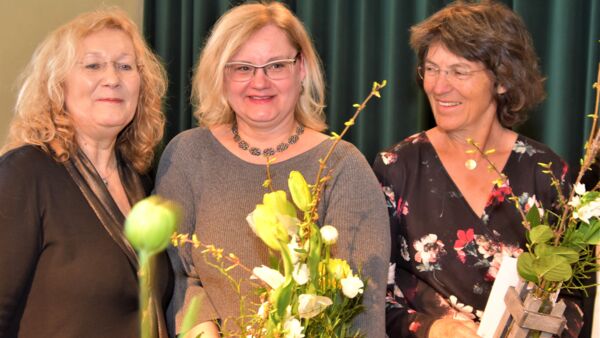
(151, 223)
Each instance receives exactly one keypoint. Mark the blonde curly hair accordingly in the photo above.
(40, 116)
(230, 32)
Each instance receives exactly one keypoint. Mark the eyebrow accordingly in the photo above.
(460, 64)
(276, 58)
(99, 54)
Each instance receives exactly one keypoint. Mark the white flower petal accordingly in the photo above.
(270, 276)
(300, 274)
(311, 305)
(352, 286)
(579, 189)
(329, 234)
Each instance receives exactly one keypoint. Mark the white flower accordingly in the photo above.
(293, 328)
(580, 189)
(588, 210)
(352, 286)
(270, 276)
(311, 305)
(329, 234)
(300, 274)
(575, 202)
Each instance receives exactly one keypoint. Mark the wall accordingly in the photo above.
(23, 25)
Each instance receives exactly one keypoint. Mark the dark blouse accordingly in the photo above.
(61, 273)
(444, 256)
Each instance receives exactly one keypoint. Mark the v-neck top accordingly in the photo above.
(444, 256)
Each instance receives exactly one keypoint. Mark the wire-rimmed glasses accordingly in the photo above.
(274, 70)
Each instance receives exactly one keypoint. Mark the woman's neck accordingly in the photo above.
(100, 153)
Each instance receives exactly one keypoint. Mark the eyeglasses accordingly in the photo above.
(430, 73)
(274, 70)
(123, 68)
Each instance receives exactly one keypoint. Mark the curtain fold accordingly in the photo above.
(361, 41)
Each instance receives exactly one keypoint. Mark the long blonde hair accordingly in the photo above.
(230, 32)
(40, 117)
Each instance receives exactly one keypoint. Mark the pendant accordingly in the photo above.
(471, 164)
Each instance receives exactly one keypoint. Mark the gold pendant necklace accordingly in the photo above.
(471, 164)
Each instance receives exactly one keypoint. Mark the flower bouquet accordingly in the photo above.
(559, 252)
(305, 292)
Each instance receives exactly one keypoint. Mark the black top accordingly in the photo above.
(61, 273)
(444, 256)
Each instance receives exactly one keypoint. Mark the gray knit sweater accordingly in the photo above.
(217, 190)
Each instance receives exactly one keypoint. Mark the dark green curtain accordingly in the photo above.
(361, 41)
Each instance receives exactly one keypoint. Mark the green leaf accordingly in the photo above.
(589, 196)
(314, 255)
(525, 267)
(533, 216)
(553, 268)
(574, 238)
(540, 234)
(282, 297)
(590, 232)
(543, 250)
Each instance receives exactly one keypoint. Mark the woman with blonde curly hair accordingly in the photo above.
(88, 117)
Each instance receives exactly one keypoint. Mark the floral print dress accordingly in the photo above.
(445, 257)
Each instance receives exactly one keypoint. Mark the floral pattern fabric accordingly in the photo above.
(445, 257)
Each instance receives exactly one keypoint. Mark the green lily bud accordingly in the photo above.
(299, 191)
(151, 223)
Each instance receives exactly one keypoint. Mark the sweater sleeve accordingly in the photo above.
(356, 207)
(20, 236)
(172, 183)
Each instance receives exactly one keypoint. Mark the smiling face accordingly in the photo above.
(102, 90)
(459, 104)
(261, 100)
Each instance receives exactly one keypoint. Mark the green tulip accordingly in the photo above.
(266, 225)
(279, 203)
(151, 223)
(299, 191)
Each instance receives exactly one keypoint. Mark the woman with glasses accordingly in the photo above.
(259, 94)
(450, 224)
(88, 117)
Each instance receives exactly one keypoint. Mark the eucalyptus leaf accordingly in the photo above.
(540, 234)
(553, 268)
(525, 267)
(542, 250)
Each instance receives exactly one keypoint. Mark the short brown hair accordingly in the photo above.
(230, 32)
(40, 116)
(494, 35)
